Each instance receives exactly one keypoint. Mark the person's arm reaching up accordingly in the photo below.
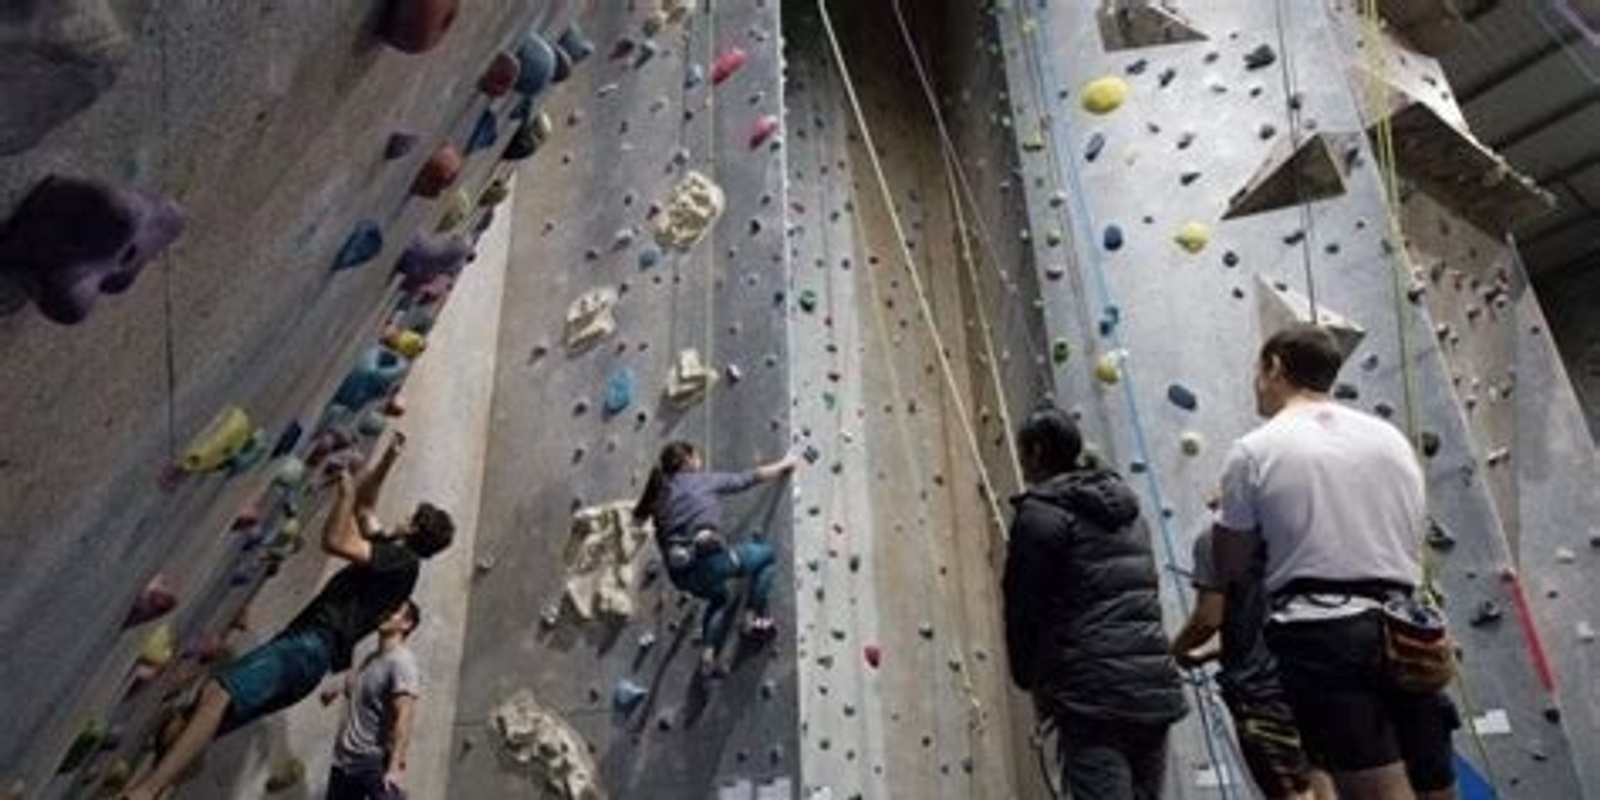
(371, 483)
(777, 469)
(341, 535)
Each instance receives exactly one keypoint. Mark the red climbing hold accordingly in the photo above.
(415, 26)
(763, 130)
(873, 655)
(154, 601)
(438, 173)
(501, 75)
(727, 64)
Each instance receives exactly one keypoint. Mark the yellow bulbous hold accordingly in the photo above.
(1104, 95)
(1192, 237)
(1191, 443)
(1108, 368)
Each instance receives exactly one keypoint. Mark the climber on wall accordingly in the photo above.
(319, 641)
(1336, 498)
(1269, 740)
(684, 502)
(1083, 617)
(369, 755)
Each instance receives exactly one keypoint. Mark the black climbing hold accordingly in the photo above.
(1182, 397)
(1138, 67)
(287, 440)
(1097, 142)
(360, 247)
(1262, 56)
(1383, 410)
(1294, 238)
(1230, 259)
(1166, 76)
(1112, 238)
(1346, 391)
(1188, 178)
(398, 145)
(1429, 442)
(1438, 537)
(1487, 613)
(575, 44)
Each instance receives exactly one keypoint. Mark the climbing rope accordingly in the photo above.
(711, 246)
(1291, 106)
(167, 258)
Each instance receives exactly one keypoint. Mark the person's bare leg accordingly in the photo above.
(197, 734)
(1388, 782)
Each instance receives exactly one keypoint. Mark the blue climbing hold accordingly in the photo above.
(1113, 238)
(575, 44)
(627, 696)
(362, 246)
(538, 60)
(287, 440)
(1183, 397)
(1110, 318)
(694, 77)
(376, 372)
(1091, 151)
(619, 392)
(649, 257)
(484, 133)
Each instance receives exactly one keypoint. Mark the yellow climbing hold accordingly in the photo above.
(1192, 237)
(407, 343)
(1108, 368)
(158, 648)
(459, 208)
(1104, 95)
(219, 442)
(1191, 443)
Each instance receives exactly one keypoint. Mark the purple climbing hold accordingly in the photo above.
(72, 240)
(430, 257)
(1097, 142)
(1112, 239)
(1346, 391)
(1183, 397)
(416, 26)
(538, 60)
(362, 246)
(484, 132)
(398, 145)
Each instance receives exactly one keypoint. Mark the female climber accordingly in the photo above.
(683, 500)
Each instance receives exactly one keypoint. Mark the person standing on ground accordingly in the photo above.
(1083, 617)
(1269, 740)
(1335, 497)
(381, 574)
(684, 501)
(369, 755)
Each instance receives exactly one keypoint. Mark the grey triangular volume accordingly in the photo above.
(1281, 307)
(1127, 24)
(1315, 170)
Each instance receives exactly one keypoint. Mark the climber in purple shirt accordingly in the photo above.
(684, 501)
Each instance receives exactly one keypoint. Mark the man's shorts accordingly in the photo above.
(1350, 714)
(1269, 740)
(274, 676)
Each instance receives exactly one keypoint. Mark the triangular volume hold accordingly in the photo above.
(1314, 170)
(1129, 24)
(1281, 307)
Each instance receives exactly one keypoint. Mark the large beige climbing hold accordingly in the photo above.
(690, 379)
(695, 205)
(535, 737)
(675, 11)
(600, 554)
(589, 318)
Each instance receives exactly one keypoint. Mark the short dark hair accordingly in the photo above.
(432, 530)
(1309, 356)
(1053, 436)
(413, 616)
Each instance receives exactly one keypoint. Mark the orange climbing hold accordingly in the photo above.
(763, 130)
(501, 75)
(438, 173)
(727, 64)
(415, 26)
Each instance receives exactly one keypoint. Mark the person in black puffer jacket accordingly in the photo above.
(1083, 617)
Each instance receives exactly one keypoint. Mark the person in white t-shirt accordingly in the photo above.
(1336, 497)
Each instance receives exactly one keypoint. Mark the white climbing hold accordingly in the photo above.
(694, 207)
(599, 558)
(589, 318)
(535, 737)
(690, 379)
(1191, 443)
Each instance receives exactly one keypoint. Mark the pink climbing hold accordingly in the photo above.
(438, 173)
(727, 64)
(873, 655)
(763, 130)
(154, 601)
(415, 26)
(501, 75)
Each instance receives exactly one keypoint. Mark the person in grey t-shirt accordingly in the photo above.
(369, 756)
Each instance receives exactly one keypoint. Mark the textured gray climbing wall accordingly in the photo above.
(267, 125)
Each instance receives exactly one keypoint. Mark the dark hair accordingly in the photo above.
(674, 457)
(1050, 433)
(413, 616)
(432, 530)
(1308, 354)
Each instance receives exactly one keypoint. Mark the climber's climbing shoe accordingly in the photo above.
(430, 257)
(361, 246)
(72, 240)
(225, 437)
(440, 170)
(416, 26)
(538, 61)
(500, 77)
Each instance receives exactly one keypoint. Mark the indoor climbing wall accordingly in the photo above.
(646, 302)
(227, 326)
(1204, 173)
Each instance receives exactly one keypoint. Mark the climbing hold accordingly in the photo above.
(649, 257)
(225, 437)
(646, 641)
(1429, 442)
(1192, 237)
(873, 655)
(528, 138)
(1261, 57)
(619, 392)
(537, 60)
(407, 343)
(500, 77)
(377, 372)
(1097, 142)
(158, 648)
(590, 319)
(1294, 172)
(495, 193)
(484, 132)
(1190, 443)
(361, 246)
(535, 737)
(808, 300)
(431, 257)
(1112, 239)
(438, 172)
(1346, 391)
(764, 128)
(254, 449)
(1108, 368)
(456, 211)
(647, 50)
(1438, 537)
(1487, 613)
(286, 774)
(689, 379)
(415, 26)
(398, 145)
(291, 473)
(1279, 308)
(154, 601)
(575, 44)
(1182, 396)
(72, 240)
(695, 205)
(88, 742)
(695, 76)
(726, 64)
(627, 696)
(1060, 351)
(1104, 95)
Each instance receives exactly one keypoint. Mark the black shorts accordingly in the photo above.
(1269, 740)
(1350, 714)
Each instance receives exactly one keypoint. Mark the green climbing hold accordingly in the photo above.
(87, 744)
(1060, 351)
(1104, 95)
(808, 301)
